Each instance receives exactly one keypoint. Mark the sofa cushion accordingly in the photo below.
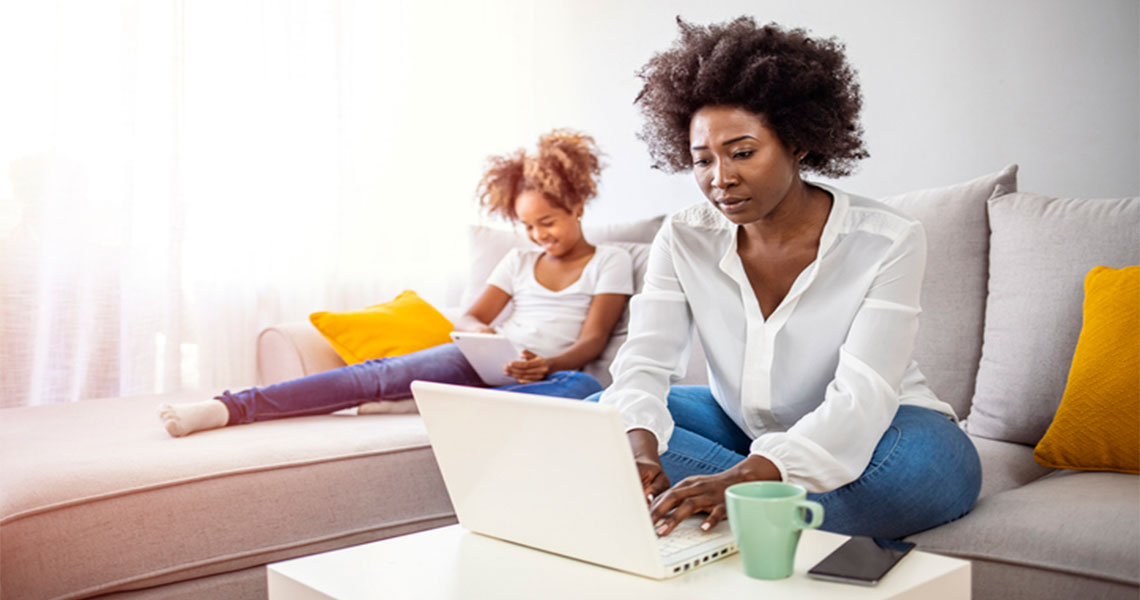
(1006, 466)
(1093, 513)
(1000, 580)
(1097, 426)
(1040, 250)
(95, 496)
(953, 299)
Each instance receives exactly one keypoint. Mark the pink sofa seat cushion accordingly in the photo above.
(96, 497)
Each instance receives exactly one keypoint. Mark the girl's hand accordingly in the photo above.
(473, 328)
(470, 323)
(705, 493)
(529, 369)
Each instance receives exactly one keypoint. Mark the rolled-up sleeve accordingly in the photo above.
(832, 445)
(653, 355)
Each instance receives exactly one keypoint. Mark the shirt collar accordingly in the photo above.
(836, 219)
(832, 228)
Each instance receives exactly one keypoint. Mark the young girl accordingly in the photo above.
(568, 295)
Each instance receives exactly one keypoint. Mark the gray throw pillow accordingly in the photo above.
(1040, 251)
(954, 290)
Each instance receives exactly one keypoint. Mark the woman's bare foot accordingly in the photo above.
(184, 419)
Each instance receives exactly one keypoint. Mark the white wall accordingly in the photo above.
(952, 90)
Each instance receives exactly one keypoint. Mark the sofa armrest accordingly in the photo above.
(291, 350)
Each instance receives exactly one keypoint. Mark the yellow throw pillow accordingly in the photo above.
(404, 325)
(1097, 426)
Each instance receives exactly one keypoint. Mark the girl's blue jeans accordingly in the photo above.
(382, 379)
(924, 472)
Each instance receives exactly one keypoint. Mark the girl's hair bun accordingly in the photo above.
(564, 169)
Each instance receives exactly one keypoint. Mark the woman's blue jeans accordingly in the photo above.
(924, 472)
(382, 379)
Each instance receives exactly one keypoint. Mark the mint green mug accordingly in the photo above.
(766, 518)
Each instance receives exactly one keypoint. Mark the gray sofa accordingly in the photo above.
(96, 500)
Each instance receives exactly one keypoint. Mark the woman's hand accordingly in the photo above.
(653, 478)
(529, 369)
(705, 493)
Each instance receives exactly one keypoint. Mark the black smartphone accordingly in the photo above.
(861, 560)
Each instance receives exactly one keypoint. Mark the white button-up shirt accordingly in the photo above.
(817, 383)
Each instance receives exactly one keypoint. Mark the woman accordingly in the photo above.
(805, 298)
(568, 295)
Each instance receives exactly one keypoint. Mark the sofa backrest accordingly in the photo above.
(1041, 249)
(953, 298)
(1001, 309)
(1003, 293)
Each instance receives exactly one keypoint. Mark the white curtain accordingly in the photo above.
(180, 174)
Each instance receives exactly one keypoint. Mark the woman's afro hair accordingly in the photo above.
(564, 169)
(802, 87)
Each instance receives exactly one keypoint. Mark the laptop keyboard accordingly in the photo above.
(687, 535)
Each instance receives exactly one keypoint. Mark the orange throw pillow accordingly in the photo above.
(1097, 426)
(402, 326)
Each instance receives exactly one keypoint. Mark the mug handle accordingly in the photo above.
(816, 514)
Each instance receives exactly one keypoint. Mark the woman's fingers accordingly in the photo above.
(659, 485)
(654, 482)
(690, 496)
(681, 510)
(663, 504)
(716, 515)
(669, 506)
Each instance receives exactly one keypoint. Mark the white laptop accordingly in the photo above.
(557, 475)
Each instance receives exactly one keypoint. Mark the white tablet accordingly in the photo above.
(488, 353)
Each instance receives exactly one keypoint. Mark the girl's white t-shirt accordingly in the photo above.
(545, 321)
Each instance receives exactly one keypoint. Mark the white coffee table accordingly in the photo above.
(451, 562)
